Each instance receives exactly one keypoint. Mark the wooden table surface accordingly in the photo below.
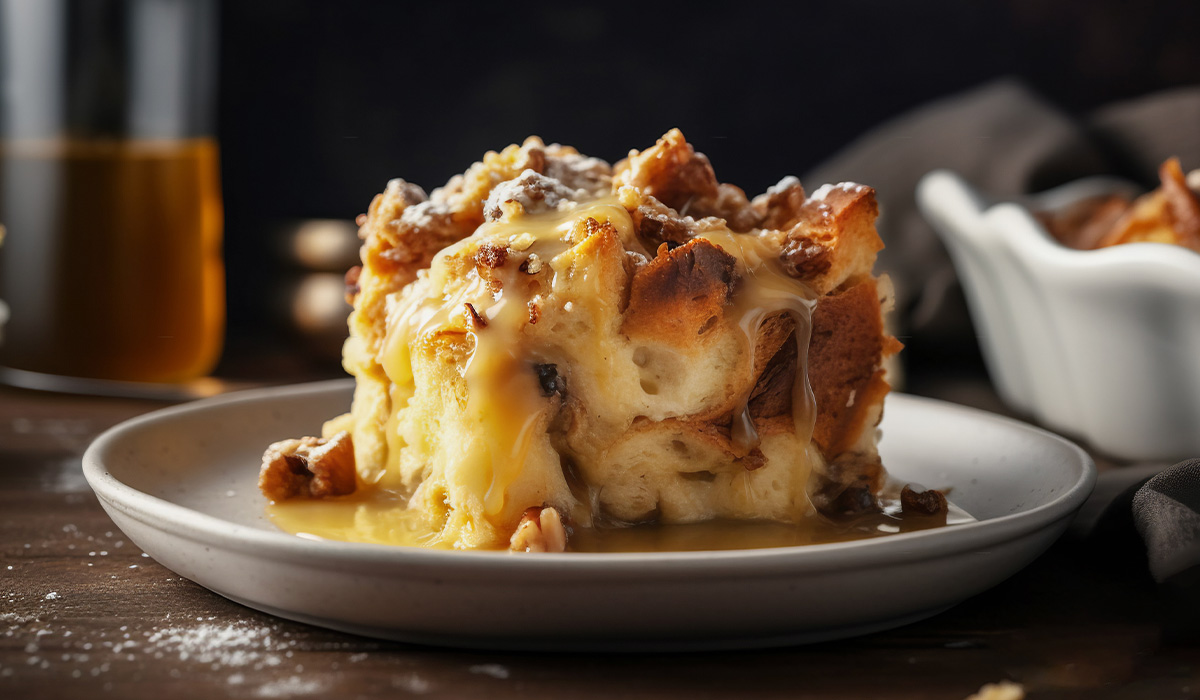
(84, 613)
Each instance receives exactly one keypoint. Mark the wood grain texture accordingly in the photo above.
(83, 613)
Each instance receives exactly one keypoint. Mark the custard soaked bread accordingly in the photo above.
(549, 343)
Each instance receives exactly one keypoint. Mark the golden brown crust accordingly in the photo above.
(776, 376)
(675, 297)
(670, 171)
(845, 359)
(404, 228)
(395, 248)
(729, 204)
(833, 240)
(780, 205)
(655, 222)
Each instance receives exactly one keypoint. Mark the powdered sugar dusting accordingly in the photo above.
(787, 182)
(14, 621)
(90, 635)
(493, 670)
(825, 190)
(421, 215)
(219, 648)
(229, 645)
(412, 683)
(287, 687)
(821, 193)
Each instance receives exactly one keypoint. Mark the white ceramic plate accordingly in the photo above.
(181, 484)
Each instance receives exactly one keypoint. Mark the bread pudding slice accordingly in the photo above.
(549, 343)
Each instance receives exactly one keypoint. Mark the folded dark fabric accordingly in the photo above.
(1007, 141)
(1138, 135)
(1166, 511)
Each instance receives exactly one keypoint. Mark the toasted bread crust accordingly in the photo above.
(681, 292)
(845, 358)
(670, 171)
(833, 240)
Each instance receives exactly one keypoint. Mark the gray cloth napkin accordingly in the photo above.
(1166, 511)
(1009, 142)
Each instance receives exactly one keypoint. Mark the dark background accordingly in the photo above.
(320, 103)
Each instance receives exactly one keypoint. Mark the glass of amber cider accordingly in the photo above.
(110, 201)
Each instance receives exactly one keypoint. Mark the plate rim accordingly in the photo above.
(180, 520)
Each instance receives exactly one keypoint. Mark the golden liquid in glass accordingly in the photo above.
(111, 260)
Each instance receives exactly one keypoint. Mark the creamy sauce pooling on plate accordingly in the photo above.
(379, 517)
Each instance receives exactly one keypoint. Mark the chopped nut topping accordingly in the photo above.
(491, 255)
(855, 500)
(522, 242)
(474, 320)
(922, 502)
(533, 191)
(532, 264)
(580, 172)
(804, 258)
(310, 466)
(781, 204)
(540, 530)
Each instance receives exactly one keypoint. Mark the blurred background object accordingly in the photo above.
(313, 256)
(111, 264)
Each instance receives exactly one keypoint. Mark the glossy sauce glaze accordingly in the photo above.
(766, 291)
(503, 397)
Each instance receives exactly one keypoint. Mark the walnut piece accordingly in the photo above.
(534, 193)
(308, 467)
(921, 501)
(540, 530)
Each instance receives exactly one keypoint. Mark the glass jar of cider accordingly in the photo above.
(110, 256)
